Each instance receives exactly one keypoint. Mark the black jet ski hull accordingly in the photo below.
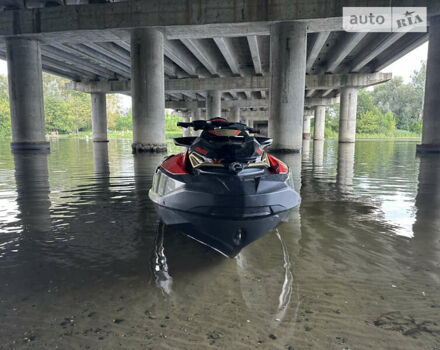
(227, 236)
(224, 212)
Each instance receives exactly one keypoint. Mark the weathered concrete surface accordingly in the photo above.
(213, 104)
(347, 115)
(306, 127)
(431, 107)
(198, 114)
(337, 81)
(319, 123)
(254, 103)
(141, 13)
(235, 111)
(187, 118)
(26, 94)
(99, 117)
(288, 67)
(248, 83)
(148, 90)
(255, 115)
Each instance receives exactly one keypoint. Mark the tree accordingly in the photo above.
(405, 101)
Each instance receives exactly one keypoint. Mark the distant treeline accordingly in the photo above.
(68, 111)
(390, 109)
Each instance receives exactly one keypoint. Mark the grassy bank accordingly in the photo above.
(396, 135)
(128, 134)
(329, 135)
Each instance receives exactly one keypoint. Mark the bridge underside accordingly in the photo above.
(213, 57)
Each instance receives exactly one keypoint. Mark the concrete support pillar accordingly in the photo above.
(187, 118)
(26, 94)
(198, 114)
(99, 117)
(319, 123)
(235, 114)
(288, 66)
(426, 241)
(306, 127)
(431, 107)
(347, 114)
(214, 104)
(148, 90)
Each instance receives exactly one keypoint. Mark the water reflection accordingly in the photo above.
(32, 183)
(268, 286)
(89, 247)
(318, 153)
(294, 161)
(426, 241)
(100, 160)
(159, 262)
(305, 149)
(344, 178)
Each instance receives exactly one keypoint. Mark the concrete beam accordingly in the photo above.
(310, 93)
(158, 13)
(370, 53)
(320, 101)
(255, 53)
(116, 66)
(396, 51)
(337, 81)
(176, 52)
(228, 52)
(255, 115)
(70, 60)
(315, 49)
(253, 103)
(207, 58)
(250, 83)
(341, 50)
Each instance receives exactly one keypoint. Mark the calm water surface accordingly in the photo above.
(84, 262)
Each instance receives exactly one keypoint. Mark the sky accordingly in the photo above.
(404, 67)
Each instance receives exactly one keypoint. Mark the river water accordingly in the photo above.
(85, 264)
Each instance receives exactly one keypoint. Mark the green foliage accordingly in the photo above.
(405, 101)
(368, 123)
(332, 122)
(5, 115)
(171, 121)
(124, 122)
(387, 110)
(5, 118)
(370, 119)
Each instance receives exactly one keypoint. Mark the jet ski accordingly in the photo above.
(225, 191)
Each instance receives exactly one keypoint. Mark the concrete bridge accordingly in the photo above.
(261, 59)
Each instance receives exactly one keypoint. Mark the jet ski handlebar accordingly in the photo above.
(211, 124)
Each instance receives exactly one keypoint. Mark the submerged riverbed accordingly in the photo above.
(84, 262)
